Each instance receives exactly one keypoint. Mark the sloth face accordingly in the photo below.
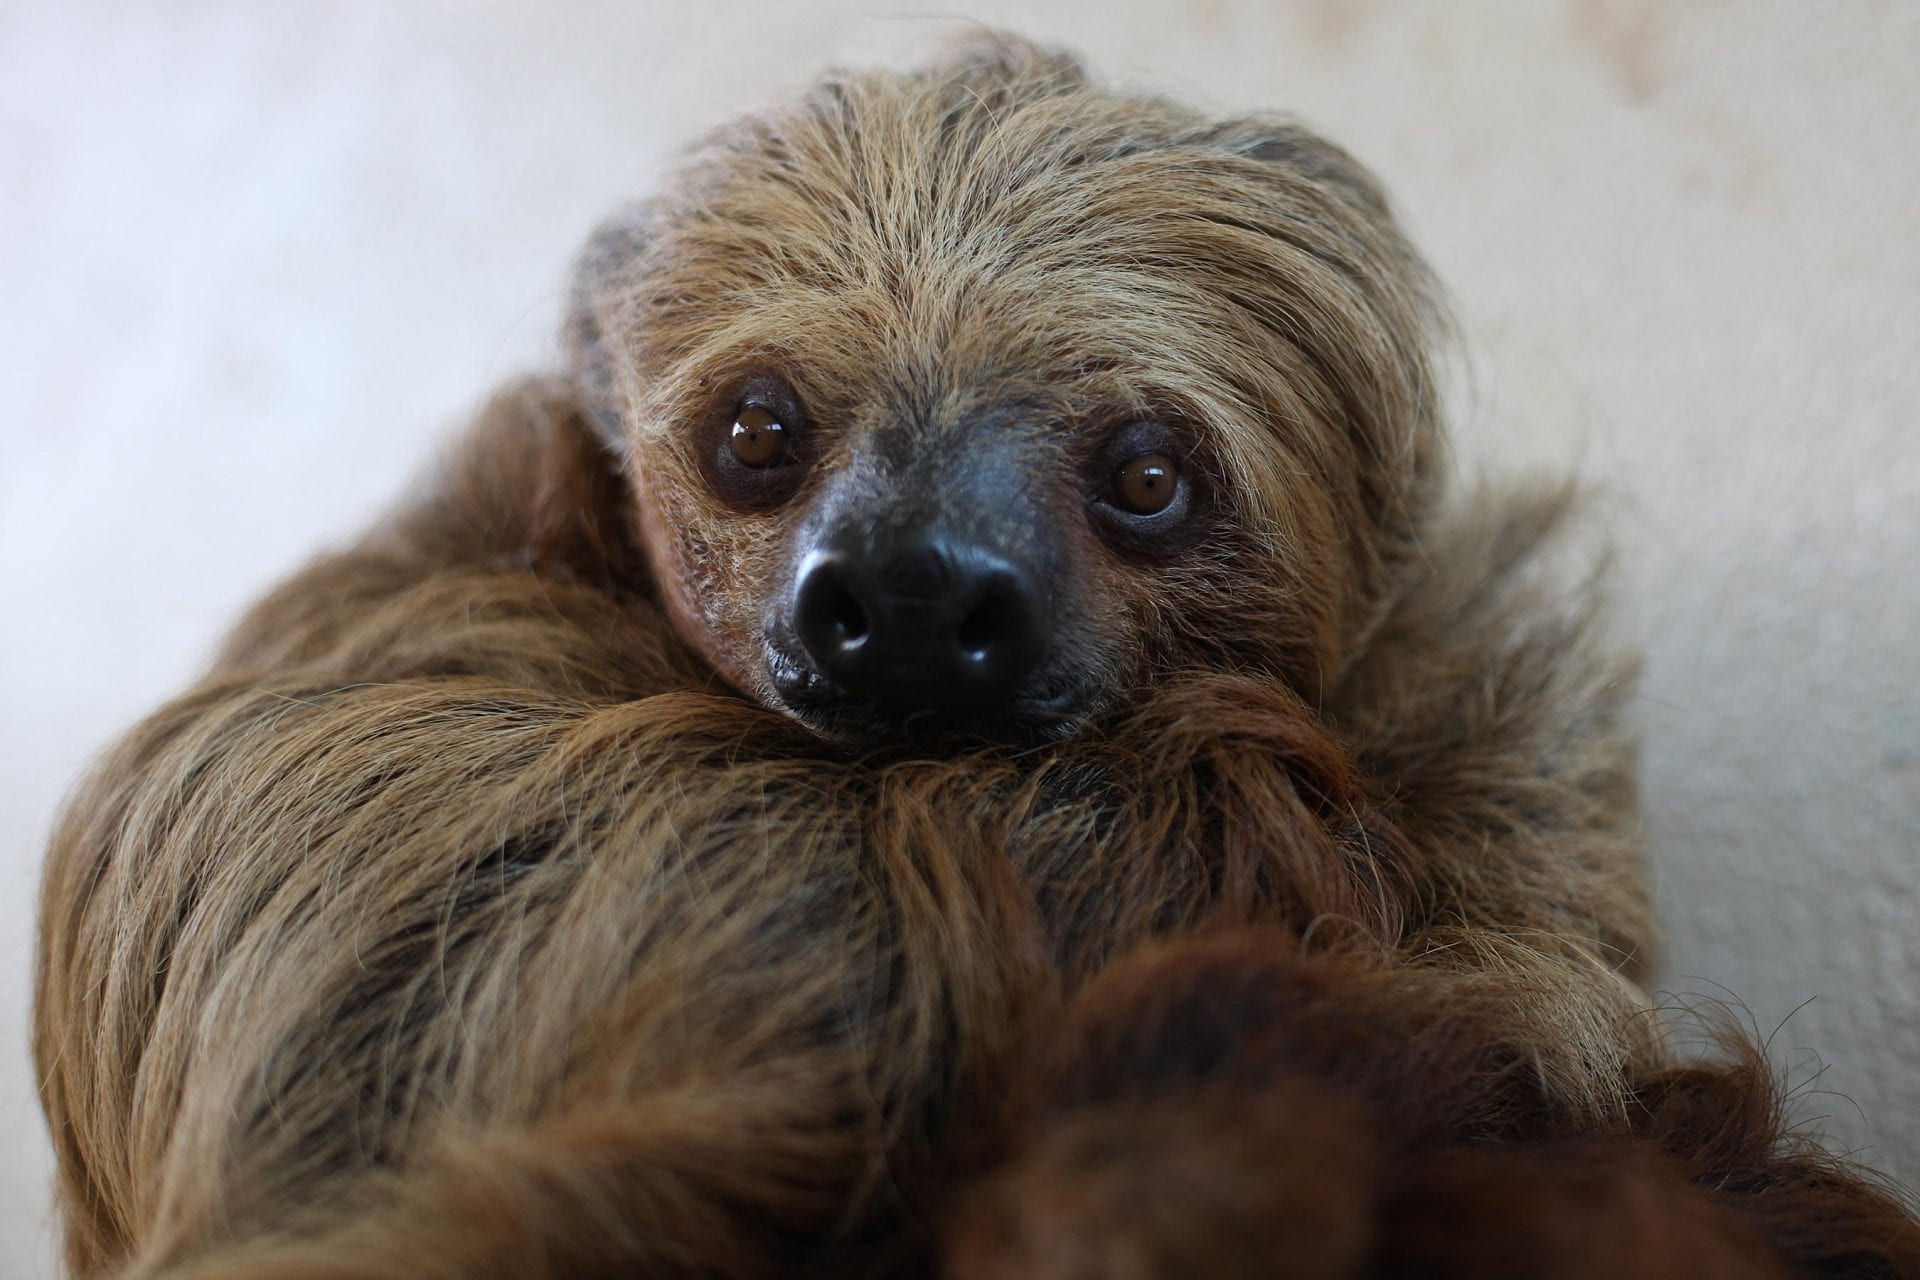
(981, 565)
(978, 402)
(964, 573)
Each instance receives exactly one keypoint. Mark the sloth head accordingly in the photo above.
(982, 399)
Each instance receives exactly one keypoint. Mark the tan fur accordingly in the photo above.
(464, 921)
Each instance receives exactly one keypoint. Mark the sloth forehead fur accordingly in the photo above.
(996, 240)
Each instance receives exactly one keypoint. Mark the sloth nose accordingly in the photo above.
(921, 622)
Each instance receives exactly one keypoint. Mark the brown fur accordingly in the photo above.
(1234, 1106)
(999, 237)
(466, 920)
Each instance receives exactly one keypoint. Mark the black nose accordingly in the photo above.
(921, 622)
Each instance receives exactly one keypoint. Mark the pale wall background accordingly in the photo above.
(255, 259)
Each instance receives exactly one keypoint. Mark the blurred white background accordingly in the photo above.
(255, 260)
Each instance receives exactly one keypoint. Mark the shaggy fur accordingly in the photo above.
(1228, 1107)
(467, 920)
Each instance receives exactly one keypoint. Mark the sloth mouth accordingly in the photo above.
(1050, 707)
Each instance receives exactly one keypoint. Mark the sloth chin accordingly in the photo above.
(1051, 706)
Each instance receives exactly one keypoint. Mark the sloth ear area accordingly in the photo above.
(602, 277)
(580, 512)
(532, 486)
(1301, 152)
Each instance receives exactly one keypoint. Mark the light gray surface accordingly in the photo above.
(255, 259)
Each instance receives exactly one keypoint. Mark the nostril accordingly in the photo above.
(832, 619)
(1002, 636)
(983, 625)
(843, 613)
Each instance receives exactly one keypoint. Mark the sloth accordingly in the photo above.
(953, 420)
(966, 732)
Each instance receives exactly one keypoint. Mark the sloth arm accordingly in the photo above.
(1485, 708)
(523, 516)
(1489, 707)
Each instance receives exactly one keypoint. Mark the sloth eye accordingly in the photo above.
(1147, 491)
(1145, 485)
(759, 438)
(754, 445)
